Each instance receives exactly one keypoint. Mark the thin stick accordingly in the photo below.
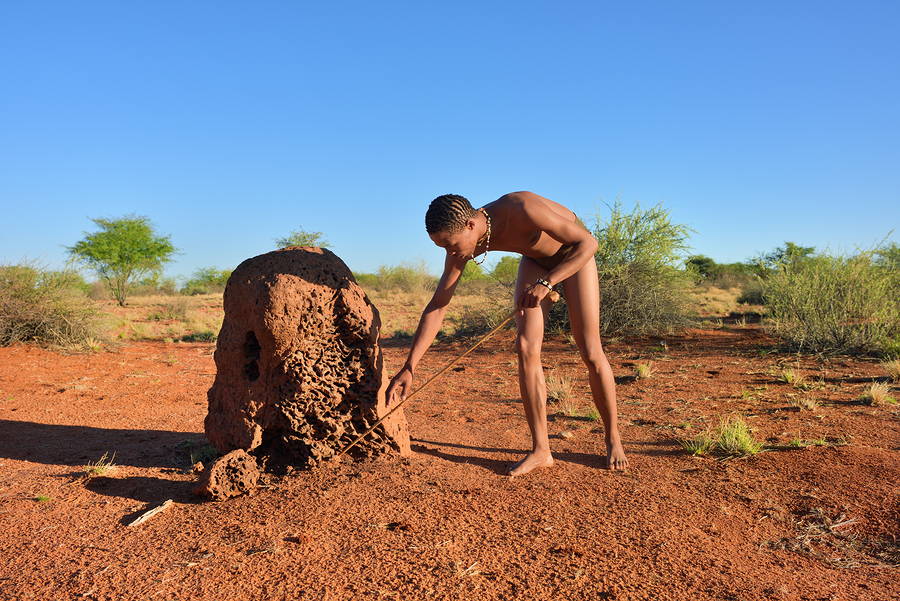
(149, 514)
(554, 296)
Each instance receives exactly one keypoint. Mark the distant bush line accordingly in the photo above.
(813, 301)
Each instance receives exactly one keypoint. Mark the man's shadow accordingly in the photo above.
(500, 466)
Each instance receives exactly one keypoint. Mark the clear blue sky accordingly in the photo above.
(231, 123)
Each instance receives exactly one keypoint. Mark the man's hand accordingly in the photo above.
(533, 296)
(400, 386)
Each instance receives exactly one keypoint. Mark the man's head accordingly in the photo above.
(451, 223)
(448, 213)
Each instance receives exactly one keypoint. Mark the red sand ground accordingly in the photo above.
(446, 524)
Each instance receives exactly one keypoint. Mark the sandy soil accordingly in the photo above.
(817, 523)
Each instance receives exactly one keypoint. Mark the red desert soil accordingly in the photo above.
(814, 523)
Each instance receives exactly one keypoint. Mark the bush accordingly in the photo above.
(643, 291)
(720, 275)
(506, 270)
(409, 277)
(155, 285)
(302, 237)
(47, 307)
(752, 292)
(207, 280)
(176, 309)
(835, 304)
(475, 322)
(473, 272)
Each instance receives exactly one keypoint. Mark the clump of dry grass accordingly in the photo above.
(559, 388)
(101, 466)
(802, 443)
(559, 391)
(643, 371)
(878, 393)
(804, 403)
(892, 368)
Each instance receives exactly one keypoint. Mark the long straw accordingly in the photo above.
(554, 296)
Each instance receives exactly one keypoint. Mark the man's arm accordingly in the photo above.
(435, 310)
(583, 243)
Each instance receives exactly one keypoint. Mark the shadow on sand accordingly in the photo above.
(501, 466)
(77, 445)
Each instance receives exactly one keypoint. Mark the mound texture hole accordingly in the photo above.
(251, 355)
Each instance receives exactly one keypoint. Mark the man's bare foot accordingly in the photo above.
(533, 460)
(615, 455)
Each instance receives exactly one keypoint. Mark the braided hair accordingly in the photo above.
(448, 213)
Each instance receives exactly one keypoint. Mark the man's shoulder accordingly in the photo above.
(518, 199)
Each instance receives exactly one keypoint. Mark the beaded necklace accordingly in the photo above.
(488, 243)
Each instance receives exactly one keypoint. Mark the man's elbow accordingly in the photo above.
(437, 303)
(590, 244)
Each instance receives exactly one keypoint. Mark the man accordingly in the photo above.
(555, 249)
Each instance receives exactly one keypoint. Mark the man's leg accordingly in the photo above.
(583, 301)
(530, 336)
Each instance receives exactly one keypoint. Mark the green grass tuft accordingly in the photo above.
(732, 438)
(101, 466)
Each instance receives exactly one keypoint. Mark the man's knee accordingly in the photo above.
(527, 348)
(593, 356)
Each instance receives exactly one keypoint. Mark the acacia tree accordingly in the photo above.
(122, 252)
(303, 238)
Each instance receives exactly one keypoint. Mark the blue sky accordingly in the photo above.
(231, 123)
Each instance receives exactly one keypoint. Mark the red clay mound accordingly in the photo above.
(299, 371)
(229, 476)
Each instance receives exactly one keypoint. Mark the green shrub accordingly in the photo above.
(476, 322)
(752, 292)
(732, 275)
(721, 275)
(835, 304)
(204, 336)
(506, 270)
(473, 272)
(887, 256)
(701, 264)
(643, 291)
(302, 237)
(177, 309)
(207, 280)
(789, 255)
(47, 307)
(155, 285)
(409, 277)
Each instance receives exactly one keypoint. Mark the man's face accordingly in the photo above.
(460, 243)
